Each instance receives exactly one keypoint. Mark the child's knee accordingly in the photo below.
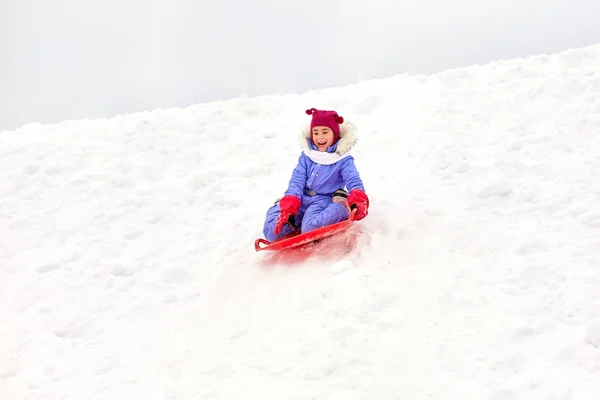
(269, 231)
(310, 224)
(332, 214)
(269, 234)
(269, 223)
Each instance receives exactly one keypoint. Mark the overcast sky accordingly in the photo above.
(69, 59)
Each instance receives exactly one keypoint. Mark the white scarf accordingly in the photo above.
(322, 157)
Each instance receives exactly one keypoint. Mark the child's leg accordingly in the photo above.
(271, 219)
(323, 212)
(269, 226)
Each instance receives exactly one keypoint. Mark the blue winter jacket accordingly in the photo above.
(313, 177)
(310, 177)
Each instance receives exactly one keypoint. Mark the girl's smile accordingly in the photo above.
(322, 137)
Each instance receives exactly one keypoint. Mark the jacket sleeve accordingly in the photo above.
(350, 175)
(298, 179)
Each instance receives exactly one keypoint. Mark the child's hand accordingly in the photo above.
(284, 218)
(288, 207)
(359, 199)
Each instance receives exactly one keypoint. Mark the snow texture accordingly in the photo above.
(127, 267)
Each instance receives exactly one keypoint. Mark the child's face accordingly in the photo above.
(322, 137)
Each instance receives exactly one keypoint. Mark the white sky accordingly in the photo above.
(68, 59)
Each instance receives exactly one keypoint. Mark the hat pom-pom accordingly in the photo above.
(339, 119)
(311, 111)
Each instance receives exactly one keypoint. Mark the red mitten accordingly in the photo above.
(288, 207)
(359, 199)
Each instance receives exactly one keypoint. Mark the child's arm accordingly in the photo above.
(298, 179)
(350, 175)
(356, 190)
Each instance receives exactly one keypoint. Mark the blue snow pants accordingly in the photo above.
(315, 212)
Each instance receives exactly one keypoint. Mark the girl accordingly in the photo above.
(315, 196)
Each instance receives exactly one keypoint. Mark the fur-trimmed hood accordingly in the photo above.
(348, 138)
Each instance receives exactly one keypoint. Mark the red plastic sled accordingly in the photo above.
(299, 239)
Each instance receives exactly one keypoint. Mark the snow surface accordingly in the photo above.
(128, 269)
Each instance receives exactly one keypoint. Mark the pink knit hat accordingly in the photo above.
(330, 119)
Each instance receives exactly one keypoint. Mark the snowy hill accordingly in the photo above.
(127, 267)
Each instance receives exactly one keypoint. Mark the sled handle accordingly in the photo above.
(260, 241)
(353, 212)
